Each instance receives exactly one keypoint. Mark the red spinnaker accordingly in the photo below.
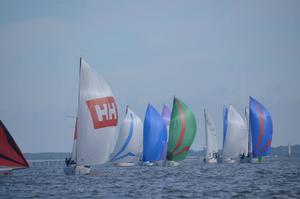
(10, 154)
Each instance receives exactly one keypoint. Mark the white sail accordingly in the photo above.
(236, 133)
(130, 139)
(96, 119)
(289, 150)
(211, 136)
(248, 130)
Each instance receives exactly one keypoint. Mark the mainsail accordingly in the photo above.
(249, 131)
(129, 140)
(211, 136)
(234, 144)
(10, 155)
(97, 118)
(261, 128)
(155, 135)
(166, 115)
(182, 131)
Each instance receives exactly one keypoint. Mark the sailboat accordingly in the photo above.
(182, 132)
(154, 138)
(211, 140)
(11, 157)
(289, 150)
(261, 128)
(234, 144)
(225, 124)
(129, 141)
(96, 121)
(166, 115)
(246, 158)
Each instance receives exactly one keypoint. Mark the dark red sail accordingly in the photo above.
(10, 154)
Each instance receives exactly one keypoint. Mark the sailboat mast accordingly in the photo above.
(78, 102)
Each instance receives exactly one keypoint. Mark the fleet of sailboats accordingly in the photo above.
(163, 138)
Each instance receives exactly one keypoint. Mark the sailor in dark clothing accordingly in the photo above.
(243, 156)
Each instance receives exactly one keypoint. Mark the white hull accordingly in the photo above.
(77, 170)
(5, 171)
(210, 161)
(172, 163)
(148, 163)
(228, 161)
(125, 164)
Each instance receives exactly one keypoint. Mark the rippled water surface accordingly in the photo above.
(276, 177)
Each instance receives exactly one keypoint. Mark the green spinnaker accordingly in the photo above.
(182, 131)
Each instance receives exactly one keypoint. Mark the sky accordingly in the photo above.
(207, 53)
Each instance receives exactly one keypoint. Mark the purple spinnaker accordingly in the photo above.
(166, 115)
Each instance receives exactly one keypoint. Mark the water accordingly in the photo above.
(277, 177)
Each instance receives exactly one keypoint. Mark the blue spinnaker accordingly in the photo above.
(155, 135)
(225, 122)
(261, 128)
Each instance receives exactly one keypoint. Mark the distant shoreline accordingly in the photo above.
(280, 151)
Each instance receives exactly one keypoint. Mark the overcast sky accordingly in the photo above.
(207, 53)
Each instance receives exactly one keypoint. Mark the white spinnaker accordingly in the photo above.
(248, 130)
(211, 135)
(93, 144)
(236, 132)
(130, 139)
